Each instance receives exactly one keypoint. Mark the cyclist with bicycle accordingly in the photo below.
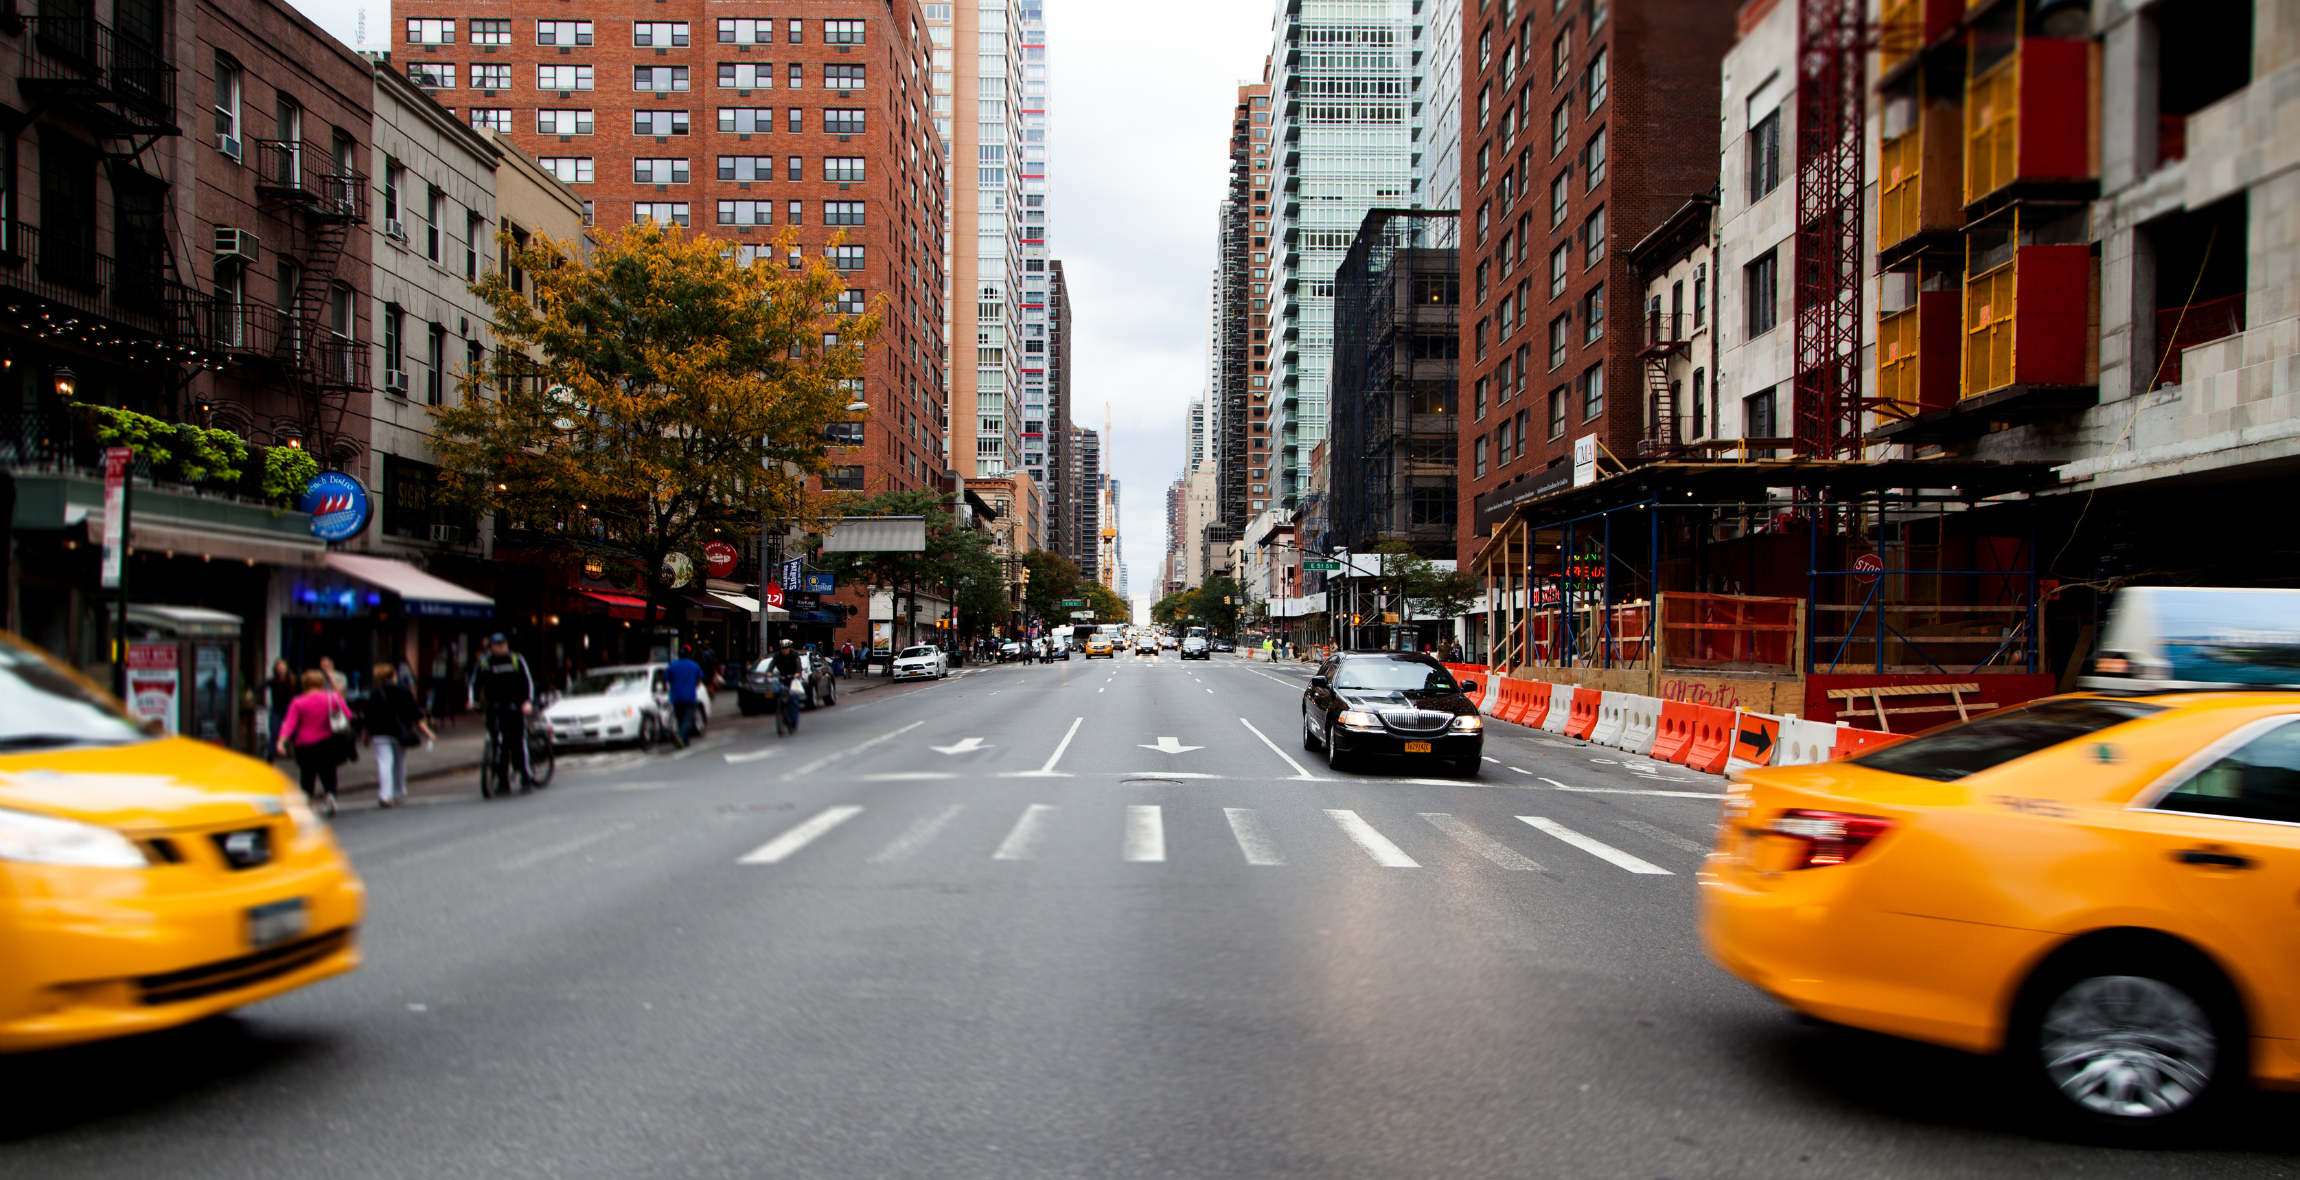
(503, 685)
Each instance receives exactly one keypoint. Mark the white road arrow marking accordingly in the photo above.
(965, 745)
(1170, 745)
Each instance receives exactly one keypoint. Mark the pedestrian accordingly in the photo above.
(839, 658)
(685, 675)
(278, 691)
(335, 678)
(318, 730)
(709, 661)
(394, 722)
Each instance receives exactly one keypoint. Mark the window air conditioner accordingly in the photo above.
(236, 244)
(228, 146)
(395, 380)
(446, 534)
(395, 229)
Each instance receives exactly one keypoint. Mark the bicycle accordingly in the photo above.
(786, 708)
(495, 770)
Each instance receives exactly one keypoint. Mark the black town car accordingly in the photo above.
(1392, 704)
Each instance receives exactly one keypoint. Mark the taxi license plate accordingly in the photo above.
(1417, 747)
(277, 922)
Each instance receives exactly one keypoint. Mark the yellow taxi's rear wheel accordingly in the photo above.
(2132, 1046)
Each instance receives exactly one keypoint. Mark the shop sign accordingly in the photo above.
(680, 568)
(821, 583)
(771, 594)
(116, 460)
(719, 558)
(155, 683)
(338, 505)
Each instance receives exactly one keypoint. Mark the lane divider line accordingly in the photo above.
(1597, 848)
(1635, 791)
(1480, 843)
(1378, 846)
(921, 831)
(849, 752)
(775, 850)
(1253, 840)
(1298, 771)
(1672, 839)
(1145, 833)
(1047, 771)
(1022, 842)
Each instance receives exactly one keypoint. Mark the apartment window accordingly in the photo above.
(746, 120)
(435, 359)
(1502, 315)
(1483, 268)
(842, 121)
(844, 169)
(432, 75)
(1524, 368)
(1700, 403)
(1477, 339)
(842, 32)
(1560, 129)
(1560, 333)
(1482, 386)
(1763, 281)
(1560, 265)
(562, 77)
(842, 212)
(661, 79)
(659, 34)
(1700, 295)
(492, 118)
(394, 178)
(798, 31)
(472, 355)
(798, 120)
(572, 169)
(746, 213)
(795, 168)
(661, 212)
(1676, 325)
(746, 75)
(1597, 80)
(658, 122)
(491, 77)
(1484, 104)
(1593, 237)
(1477, 450)
(562, 122)
(431, 32)
(473, 226)
(1523, 424)
(227, 106)
(1593, 314)
(1561, 57)
(562, 32)
(1757, 416)
(1593, 159)
(1560, 193)
(1765, 155)
(746, 31)
(1501, 377)
(1557, 412)
(842, 76)
(590, 214)
(797, 75)
(853, 302)
(646, 170)
(490, 32)
(1485, 48)
(394, 340)
(747, 168)
(847, 258)
(1592, 391)
(1484, 164)
(434, 208)
(1482, 211)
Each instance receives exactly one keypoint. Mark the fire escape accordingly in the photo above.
(1664, 341)
(1833, 40)
(312, 342)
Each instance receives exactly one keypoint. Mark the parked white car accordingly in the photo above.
(925, 660)
(626, 703)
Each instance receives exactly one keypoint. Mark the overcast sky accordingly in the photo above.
(1139, 143)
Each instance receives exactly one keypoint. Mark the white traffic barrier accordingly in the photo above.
(1804, 742)
(1744, 723)
(1492, 699)
(1641, 724)
(1607, 732)
(1560, 708)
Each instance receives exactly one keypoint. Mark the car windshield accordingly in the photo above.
(613, 682)
(1967, 748)
(42, 707)
(916, 653)
(1409, 676)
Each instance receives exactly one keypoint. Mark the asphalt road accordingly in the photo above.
(998, 926)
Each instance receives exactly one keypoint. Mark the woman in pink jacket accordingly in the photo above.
(309, 731)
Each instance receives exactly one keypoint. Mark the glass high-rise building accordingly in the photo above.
(1341, 80)
(980, 88)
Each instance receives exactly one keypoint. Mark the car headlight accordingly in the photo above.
(1469, 724)
(1358, 719)
(46, 840)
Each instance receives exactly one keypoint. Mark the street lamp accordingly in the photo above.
(67, 382)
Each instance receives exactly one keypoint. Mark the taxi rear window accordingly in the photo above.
(1946, 755)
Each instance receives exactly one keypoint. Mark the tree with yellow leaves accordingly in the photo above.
(642, 401)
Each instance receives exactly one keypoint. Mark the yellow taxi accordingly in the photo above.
(1098, 644)
(2100, 888)
(148, 881)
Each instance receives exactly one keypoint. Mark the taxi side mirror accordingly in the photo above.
(1317, 682)
(1469, 686)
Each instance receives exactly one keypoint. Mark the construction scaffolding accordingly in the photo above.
(1395, 429)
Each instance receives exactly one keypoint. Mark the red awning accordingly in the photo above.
(619, 606)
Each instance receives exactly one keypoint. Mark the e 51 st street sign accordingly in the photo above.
(1322, 566)
(1074, 602)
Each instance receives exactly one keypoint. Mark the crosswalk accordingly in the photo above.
(1142, 838)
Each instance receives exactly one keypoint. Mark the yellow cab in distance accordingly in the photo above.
(1098, 644)
(145, 881)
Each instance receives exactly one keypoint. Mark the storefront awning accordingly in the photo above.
(619, 606)
(750, 606)
(420, 594)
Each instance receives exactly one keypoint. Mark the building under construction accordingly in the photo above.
(1394, 432)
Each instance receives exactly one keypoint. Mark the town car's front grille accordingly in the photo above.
(1417, 721)
(191, 983)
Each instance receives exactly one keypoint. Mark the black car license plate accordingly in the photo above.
(1417, 747)
(277, 922)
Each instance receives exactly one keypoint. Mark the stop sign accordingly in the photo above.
(719, 557)
(1867, 566)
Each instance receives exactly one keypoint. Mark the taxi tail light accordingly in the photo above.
(1829, 837)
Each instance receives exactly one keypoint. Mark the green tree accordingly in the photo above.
(640, 401)
(1107, 606)
(1179, 607)
(1054, 581)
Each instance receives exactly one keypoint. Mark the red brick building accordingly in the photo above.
(737, 122)
(1585, 123)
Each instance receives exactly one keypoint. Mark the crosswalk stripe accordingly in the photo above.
(1378, 846)
(1022, 842)
(775, 850)
(1480, 843)
(1252, 840)
(1145, 833)
(921, 831)
(1672, 839)
(1596, 848)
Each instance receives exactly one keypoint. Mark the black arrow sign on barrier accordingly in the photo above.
(1757, 740)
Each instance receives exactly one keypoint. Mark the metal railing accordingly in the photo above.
(305, 172)
(101, 63)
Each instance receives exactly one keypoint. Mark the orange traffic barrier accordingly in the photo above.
(1712, 740)
(1513, 700)
(1583, 717)
(1852, 741)
(1674, 734)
